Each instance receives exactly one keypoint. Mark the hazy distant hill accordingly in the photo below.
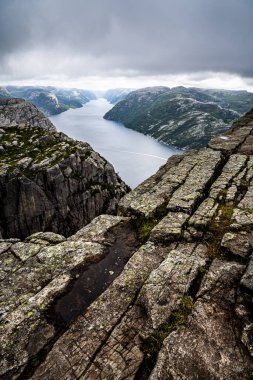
(50, 100)
(4, 93)
(240, 101)
(116, 95)
(183, 117)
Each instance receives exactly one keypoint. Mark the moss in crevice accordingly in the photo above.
(144, 229)
(144, 225)
(223, 194)
(243, 187)
(219, 225)
(161, 211)
(153, 344)
(186, 302)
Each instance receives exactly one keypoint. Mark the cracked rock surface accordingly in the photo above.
(177, 269)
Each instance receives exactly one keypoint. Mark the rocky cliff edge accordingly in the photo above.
(161, 291)
(48, 181)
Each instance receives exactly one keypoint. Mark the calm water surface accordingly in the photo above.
(134, 156)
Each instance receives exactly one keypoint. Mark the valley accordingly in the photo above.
(134, 155)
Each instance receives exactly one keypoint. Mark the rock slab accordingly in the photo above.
(181, 305)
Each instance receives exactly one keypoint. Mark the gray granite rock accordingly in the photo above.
(208, 346)
(15, 112)
(180, 306)
(247, 279)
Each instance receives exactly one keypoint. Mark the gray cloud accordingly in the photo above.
(130, 38)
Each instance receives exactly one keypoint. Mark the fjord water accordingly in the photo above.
(134, 156)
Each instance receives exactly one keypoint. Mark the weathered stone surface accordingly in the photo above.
(123, 353)
(30, 289)
(247, 201)
(239, 244)
(203, 215)
(95, 231)
(72, 353)
(209, 346)
(8, 263)
(49, 182)
(247, 146)
(247, 279)
(170, 227)
(236, 137)
(234, 166)
(242, 219)
(222, 195)
(153, 195)
(186, 196)
(14, 112)
(230, 141)
(165, 287)
(182, 306)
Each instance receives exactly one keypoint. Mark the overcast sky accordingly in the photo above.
(127, 43)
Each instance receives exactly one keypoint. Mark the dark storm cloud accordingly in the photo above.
(133, 37)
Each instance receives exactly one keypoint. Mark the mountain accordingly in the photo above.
(4, 93)
(116, 95)
(240, 101)
(48, 181)
(162, 290)
(183, 117)
(50, 100)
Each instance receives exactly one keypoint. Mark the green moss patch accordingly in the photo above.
(219, 225)
(144, 226)
(153, 344)
(37, 144)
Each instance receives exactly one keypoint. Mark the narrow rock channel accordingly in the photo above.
(122, 242)
(70, 274)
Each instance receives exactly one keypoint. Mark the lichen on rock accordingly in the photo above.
(180, 307)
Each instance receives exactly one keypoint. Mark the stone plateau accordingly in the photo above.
(161, 291)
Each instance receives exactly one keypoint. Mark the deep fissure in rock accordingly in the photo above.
(87, 287)
(97, 277)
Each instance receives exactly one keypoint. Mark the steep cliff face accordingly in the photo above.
(49, 182)
(168, 294)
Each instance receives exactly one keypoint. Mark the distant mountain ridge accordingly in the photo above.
(50, 100)
(184, 117)
(115, 95)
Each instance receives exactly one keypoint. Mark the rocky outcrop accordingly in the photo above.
(179, 302)
(14, 112)
(49, 182)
